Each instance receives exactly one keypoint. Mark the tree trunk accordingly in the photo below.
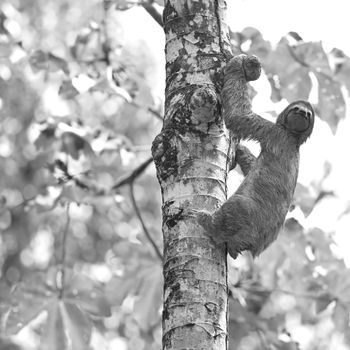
(192, 159)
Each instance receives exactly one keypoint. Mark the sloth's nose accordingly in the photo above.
(302, 111)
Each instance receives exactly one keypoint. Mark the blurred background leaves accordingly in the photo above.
(81, 99)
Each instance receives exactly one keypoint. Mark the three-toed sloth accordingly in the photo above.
(253, 216)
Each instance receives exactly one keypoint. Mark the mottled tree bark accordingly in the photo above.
(192, 159)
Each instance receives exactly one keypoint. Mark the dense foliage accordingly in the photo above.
(80, 226)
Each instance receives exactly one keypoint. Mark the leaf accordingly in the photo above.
(122, 4)
(241, 322)
(8, 344)
(84, 292)
(312, 55)
(108, 86)
(73, 144)
(57, 63)
(120, 287)
(134, 282)
(3, 201)
(30, 298)
(305, 198)
(41, 60)
(67, 327)
(78, 327)
(74, 193)
(54, 337)
(67, 91)
(343, 73)
(92, 301)
(259, 46)
(339, 280)
(94, 304)
(5, 219)
(321, 245)
(340, 316)
(286, 346)
(5, 49)
(47, 200)
(147, 307)
(45, 138)
(38, 60)
(87, 46)
(323, 301)
(331, 103)
(293, 78)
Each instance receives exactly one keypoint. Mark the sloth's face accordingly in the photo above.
(298, 119)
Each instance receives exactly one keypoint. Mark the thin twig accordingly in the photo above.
(149, 109)
(155, 113)
(262, 338)
(63, 253)
(138, 213)
(149, 7)
(130, 177)
(306, 295)
(24, 202)
(296, 295)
